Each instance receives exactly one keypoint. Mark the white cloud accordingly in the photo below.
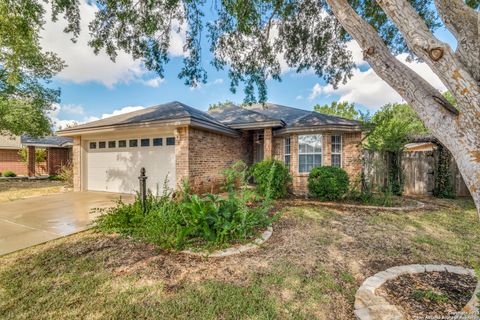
(299, 97)
(368, 89)
(154, 82)
(84, 65)
(218, 81)
(58, 123)
(316, 91)
(357, 53)
(73, 109)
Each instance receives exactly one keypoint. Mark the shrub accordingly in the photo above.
(9, 174)
(65, 174)
(40, 155)
(188, 220)
(328, 183)
(271, 177)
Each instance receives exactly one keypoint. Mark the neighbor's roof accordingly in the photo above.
(49, 141)
(9, 142)
(165, 113)
(241, 118)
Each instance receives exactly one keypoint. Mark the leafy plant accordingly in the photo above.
(328, 183)
(9, 173)
(272, 178)
(65, 174)
(190, 220)
(40, 155)
(429, 295)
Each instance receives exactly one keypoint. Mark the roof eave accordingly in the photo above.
(340, 128)
(257, 125)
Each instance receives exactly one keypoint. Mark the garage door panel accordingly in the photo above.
(118, 171)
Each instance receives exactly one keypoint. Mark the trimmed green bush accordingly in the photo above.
(271, 176)
(9, 174)
(328, 183)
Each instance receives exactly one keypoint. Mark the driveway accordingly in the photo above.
(27, 222)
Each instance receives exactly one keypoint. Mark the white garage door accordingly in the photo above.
(114, 165)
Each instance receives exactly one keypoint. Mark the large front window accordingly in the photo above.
(309, 152)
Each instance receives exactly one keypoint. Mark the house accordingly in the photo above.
(174, 142)
(58, 153)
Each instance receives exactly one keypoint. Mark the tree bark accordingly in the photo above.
(460, 134)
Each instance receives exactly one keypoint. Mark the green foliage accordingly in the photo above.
(190, 220)
(392, 126)
(25, 69)
(40, 155)
(429, 295)
(328, 183)
(272, 178)
(443, 187)
(65, 174)
(343, 109)
(220, 105)
(9, 173)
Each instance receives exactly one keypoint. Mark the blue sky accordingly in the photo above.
(94, 87)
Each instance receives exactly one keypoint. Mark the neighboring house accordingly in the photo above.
(58, 153)
(176, 142)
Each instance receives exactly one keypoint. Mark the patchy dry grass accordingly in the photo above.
(310, 268)
(17, 189)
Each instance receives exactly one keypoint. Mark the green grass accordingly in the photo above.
(429, 295)
(309, 269)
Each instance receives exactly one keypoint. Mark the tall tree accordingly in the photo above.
(250, 38)
(341, 109)
(25, 70)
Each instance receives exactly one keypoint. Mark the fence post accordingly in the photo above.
(143, 187)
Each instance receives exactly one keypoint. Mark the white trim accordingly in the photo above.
(320, 136)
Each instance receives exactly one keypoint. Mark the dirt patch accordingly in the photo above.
(429, 295)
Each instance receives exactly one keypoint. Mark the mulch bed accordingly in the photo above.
(429, 295)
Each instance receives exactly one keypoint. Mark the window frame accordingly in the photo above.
(130, 143)
(147, 140)
(92, 143)
(124, 141)
(309, 153)
(336, 153)
(169, 140)
(100, 143)
(289, 153)
(158, 139)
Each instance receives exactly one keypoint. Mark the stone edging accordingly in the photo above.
(234, 250)
(369, 306)
(419, 205)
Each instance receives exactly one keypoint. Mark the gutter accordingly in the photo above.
(342, 128)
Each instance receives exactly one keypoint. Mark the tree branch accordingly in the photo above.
(463, 22)
(438, 55)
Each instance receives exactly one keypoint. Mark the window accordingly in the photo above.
(112, 144)
(133, 143)
(170, 141)
(145, 142)
(337, 151)
(287, 152)
(93, 145)
(309, 152)
(102, 145)
(122, 143)
(157, 142)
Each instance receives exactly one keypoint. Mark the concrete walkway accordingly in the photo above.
(27, 222)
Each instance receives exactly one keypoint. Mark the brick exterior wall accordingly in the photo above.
(11, 160)
(58, 157)
(351, 157)
(201, 156)
(267, 143)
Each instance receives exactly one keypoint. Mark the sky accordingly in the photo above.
(94, 87)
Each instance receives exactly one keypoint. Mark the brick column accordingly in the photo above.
(31, 161)
(327, 149)
(267, 143)
(77, 163)
(294, 154)
(181, 155)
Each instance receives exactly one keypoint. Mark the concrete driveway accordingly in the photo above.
(27, 222)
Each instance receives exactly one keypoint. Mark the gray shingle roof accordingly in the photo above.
(168, 111)
(294, 117)
(50, 141)
(234, 115)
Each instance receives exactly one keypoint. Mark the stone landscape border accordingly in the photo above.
(369, 306)
(418, 205)
(234, 250)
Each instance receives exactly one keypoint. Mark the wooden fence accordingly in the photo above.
(418, 169)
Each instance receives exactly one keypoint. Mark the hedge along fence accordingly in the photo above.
(420, 172)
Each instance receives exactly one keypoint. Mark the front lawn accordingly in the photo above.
(16, 189)
(310, 268)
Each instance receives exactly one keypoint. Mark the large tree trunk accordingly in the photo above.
(459, 131)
